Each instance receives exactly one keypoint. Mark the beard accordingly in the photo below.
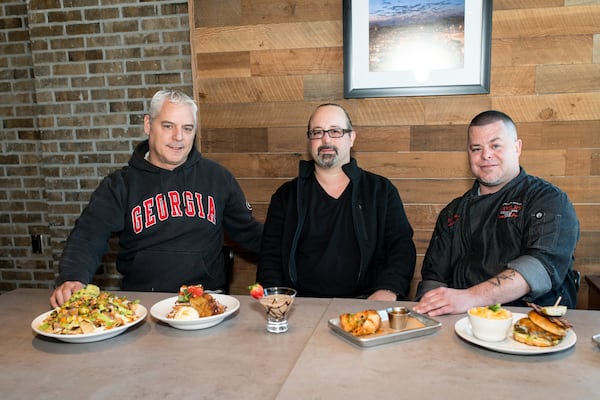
(327, 160)
(490, 183)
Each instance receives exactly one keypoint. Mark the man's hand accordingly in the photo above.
(505, 287)
(383, 295)
(444, 300)
(64, 291)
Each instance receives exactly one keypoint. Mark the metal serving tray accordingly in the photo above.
(418, 325)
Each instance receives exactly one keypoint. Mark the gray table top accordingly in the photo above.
(239, 359)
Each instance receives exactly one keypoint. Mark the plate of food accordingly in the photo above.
(531, 334)
(90, 315)
(194, 309)
(369, 328)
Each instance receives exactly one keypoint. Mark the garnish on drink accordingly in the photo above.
(256, 291)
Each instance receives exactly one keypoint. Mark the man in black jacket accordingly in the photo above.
(170, 207)
(510, 239)
(337, 230)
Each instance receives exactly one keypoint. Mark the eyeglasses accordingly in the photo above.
(333, 133)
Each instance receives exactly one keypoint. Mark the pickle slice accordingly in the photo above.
(554, 311)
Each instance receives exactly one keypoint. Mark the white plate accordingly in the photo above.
(509, 345)
(161, 309)
(100, 334)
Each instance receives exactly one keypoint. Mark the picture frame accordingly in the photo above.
(393, 49)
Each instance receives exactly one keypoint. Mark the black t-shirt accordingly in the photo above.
(328, 257)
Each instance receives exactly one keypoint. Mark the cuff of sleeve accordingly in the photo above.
(72, 277)
(534, 273)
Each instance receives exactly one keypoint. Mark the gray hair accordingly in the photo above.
(172, 96)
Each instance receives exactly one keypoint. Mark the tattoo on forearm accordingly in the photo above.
(507, 275)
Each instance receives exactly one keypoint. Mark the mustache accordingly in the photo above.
(327, 147)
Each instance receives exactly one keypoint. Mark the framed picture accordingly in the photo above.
(416, 47)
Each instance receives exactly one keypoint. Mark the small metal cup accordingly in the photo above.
(398, 317)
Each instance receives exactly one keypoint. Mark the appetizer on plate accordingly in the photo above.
(361, 323)
(192, 302)
(89, 310)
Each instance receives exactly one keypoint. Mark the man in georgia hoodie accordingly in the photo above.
(170, 208)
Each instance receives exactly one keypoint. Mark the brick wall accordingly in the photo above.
(75, 78)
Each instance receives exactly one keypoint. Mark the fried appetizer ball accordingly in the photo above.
(361, 323)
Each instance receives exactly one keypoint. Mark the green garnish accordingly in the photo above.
(495, 307)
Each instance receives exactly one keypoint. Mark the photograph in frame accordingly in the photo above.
(416, 47)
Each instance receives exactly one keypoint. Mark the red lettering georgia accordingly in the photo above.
(136, 219)
(188, 199)
(200, 206)
(161, 207)
(175, 204)
(212, 212)
(148, 213)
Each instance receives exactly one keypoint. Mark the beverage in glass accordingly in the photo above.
(277, 302)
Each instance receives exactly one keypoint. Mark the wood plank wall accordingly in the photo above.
(261, 66)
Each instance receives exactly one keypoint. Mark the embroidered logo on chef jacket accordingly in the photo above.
(510, 210)
(453, 220)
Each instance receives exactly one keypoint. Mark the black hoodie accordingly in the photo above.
(171, 225)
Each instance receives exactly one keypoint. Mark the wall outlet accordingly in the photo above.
(36, 244)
